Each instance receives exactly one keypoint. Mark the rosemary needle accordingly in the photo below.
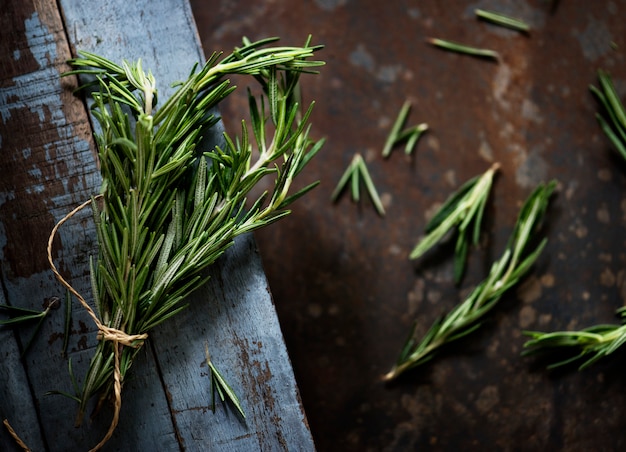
(219, 385)
(412, 135)
(503, 20)
(514, 263)
(462, 48)
(392, 138)
(397, 135)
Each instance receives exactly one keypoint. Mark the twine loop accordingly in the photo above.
(105, 333)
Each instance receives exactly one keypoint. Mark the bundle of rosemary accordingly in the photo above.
(166, 209)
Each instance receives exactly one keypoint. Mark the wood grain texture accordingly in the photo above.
(47, 167)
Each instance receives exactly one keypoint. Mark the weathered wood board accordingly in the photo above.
(47, 167)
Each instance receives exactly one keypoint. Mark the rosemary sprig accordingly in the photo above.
(594, 342)
(462, 48)
(168, 210)
(357, 171)
(589, 345)
(462, 209)
(613, 119)
(516, 260)
(219, 385)
(503, 20)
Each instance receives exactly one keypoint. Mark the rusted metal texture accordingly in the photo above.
(345, 290)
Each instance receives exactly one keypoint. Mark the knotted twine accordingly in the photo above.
(105, 333)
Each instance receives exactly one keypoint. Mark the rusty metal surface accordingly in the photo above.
(344, 289)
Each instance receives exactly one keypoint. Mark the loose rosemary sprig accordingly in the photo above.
(398, 135)
(613, 119)
(516, 260)
(462, 48)
(357, 171)
(588, 345)
(167, 210)
(503, 20)
(592, 343)
(463, 208)
(219, 385)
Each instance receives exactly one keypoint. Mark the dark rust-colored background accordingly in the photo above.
(343, 286)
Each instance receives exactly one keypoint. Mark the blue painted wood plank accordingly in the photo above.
(48, 168)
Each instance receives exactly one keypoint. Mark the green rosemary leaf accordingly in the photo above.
(460, 257)
(502, 19)
(345, 177)
(452, 204)
(19, 310)
(414, 134)
(396, 128)
(369, 185)
(298, 194)
(223, 388)
(613, 99)
(272, 92)
(22, 318)
(461, 48)
(354, 180)
(462, 320)
(612, 128)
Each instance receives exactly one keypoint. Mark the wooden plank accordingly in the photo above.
(46, 169)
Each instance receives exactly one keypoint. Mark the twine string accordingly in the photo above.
(105, 333)
(14, 435)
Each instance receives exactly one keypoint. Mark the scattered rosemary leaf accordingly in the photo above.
(461, 48)
(514, 263)
(219, 385)
(396, 128)
(503, 20)
(413, 134)
(397, 135)
(462, 208)
(357, 171)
